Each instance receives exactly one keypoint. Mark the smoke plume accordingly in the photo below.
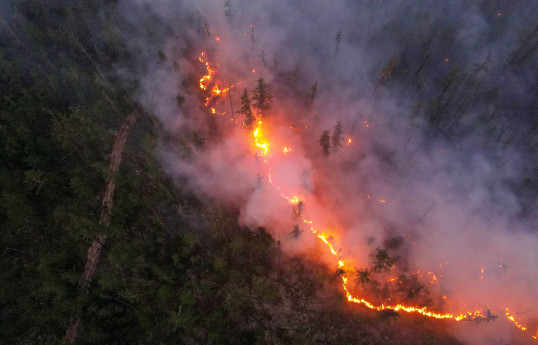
(437, 104)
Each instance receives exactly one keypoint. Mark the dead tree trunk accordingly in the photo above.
(94, 251)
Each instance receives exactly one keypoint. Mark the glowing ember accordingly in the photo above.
(513, 319)
(349, 141)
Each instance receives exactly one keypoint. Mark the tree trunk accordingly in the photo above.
(106, 211)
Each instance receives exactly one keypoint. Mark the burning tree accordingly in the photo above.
(262, 98)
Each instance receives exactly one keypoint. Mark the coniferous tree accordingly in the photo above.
(246, 110)
(337, 135)
(262, 98)
(325, 142)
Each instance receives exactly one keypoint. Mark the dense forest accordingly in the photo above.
(81, 180)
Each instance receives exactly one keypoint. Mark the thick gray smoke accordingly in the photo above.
(438, 98)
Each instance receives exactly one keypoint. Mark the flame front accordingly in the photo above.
(262, 144)
(513, 319)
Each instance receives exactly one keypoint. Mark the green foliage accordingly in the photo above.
(246, 109)
(262, 98)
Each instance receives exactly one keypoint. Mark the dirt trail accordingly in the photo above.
(107, 204)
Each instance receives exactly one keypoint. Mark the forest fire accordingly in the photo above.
(259, 141)
(512, 318)
(206, 79)
(262, 145)
(276, 172)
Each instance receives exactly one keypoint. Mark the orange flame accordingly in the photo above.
(263, 144)
(513, 319)
(286, 150)
(206, 79)
(259, 140)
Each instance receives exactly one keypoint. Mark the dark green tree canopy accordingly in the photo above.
(246, 109)
(262, 98)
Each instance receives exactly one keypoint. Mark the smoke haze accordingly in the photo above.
(438, 99)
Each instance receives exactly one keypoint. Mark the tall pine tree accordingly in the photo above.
(262, 98)
(246, 110)
(337, 135)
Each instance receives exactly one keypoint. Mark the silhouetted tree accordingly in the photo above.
(262, 98)
(296, 232)
(246, 110)
(299, 208)
(325, 142)
(337, 135)
(363, 276)
(383, 261)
